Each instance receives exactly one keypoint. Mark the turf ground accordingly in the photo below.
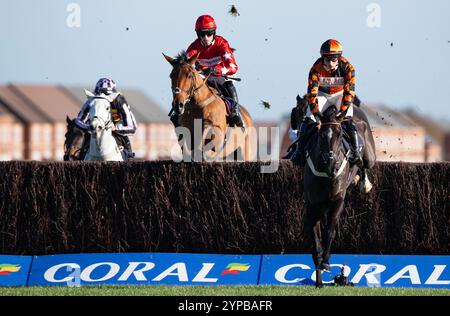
(218, 291)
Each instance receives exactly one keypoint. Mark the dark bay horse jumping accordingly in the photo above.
(327, 176)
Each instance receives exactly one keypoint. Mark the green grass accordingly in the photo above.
(218, 291)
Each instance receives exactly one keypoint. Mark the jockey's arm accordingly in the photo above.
(228, 66)
(191, 51)
(349, 86)
(313, 90)
(82, 118)
(127, 124)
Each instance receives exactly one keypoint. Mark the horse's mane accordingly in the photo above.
(330, 114)
(181, 57)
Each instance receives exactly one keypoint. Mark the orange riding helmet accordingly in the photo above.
(331, 48)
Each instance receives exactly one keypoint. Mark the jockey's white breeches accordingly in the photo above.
(326, 100)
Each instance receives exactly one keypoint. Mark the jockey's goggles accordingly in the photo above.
(331, 58)
(207, 33)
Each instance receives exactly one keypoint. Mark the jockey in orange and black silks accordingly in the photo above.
(331, 82)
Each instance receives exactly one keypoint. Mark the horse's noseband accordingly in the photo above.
(107, 124)
(192, 90)
(327, 157)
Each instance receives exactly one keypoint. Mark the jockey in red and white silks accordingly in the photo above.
(216, 60)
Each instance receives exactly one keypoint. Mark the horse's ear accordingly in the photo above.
(68, 119)
(299, 99)
(112, 96)
(340, 116)
(169, 59)
(191, 61)
(89, 94)
(357, 101)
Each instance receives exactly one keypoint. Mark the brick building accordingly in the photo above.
(155, 136)
(33, 122)
(11, 136)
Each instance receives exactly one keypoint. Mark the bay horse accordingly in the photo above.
(74, 140)
(194, 100)
(327, 176)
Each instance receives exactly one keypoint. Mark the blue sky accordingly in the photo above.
(277, 42)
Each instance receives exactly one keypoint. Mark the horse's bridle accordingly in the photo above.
(108, 123)
(193, 90)
(331, 156)
(68, 149)
(68, 154)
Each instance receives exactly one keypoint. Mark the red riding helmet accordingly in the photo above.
(205, 22)
(331, 48)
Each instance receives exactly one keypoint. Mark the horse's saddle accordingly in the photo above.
(229, 104)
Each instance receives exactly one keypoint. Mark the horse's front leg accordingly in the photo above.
(212, 143)
(330, 231)
(365, 185)
(318, 253)
(313, 221)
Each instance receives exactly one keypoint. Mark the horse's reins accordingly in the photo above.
(311, 163)
(328, 123)
(68, 149)
(318, 126)
(107, 123)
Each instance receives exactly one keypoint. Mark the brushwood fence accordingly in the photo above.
(71, 207)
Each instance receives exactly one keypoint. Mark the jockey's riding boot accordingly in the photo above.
(292, 149)
(124, 142)
(128, 152)
(299, 156)
(235, 117)
(355, 157)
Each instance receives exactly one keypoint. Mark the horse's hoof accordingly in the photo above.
(366, 186)
(324, 267)
(356, 179)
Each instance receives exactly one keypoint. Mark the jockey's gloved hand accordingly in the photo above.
(317, 117)
(209, 71)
